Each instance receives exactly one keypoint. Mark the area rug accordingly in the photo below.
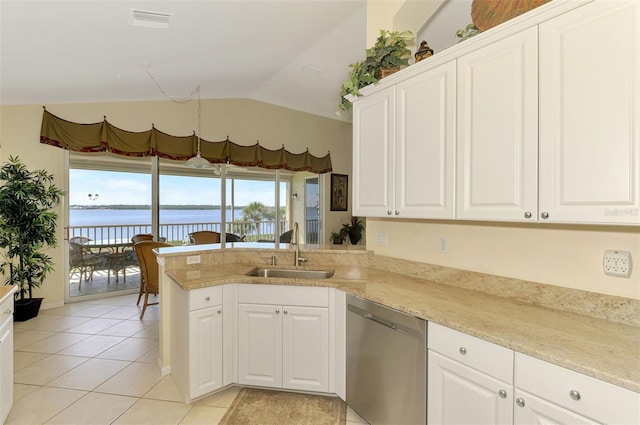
(265, 407)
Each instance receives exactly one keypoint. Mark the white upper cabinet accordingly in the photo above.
(425, 144)
(404, 146)
(590, 114)
(373, 142)
(497, 130)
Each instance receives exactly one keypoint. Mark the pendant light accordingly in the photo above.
(198, 161)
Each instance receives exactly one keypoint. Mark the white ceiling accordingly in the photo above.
(54, 51)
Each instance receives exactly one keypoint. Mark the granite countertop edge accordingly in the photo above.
(592, 346)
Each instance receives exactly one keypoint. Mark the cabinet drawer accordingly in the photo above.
(487, 357)
(303, 296)
(591, 397)
(205, 297)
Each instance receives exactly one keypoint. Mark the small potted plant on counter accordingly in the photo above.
(338, 237)
(27, 225)
(354, 230)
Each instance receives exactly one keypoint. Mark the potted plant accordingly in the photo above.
(338, 237)
(354, 230)
(26, 226)
(387, 55)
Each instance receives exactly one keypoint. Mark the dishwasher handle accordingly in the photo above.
(405, 330)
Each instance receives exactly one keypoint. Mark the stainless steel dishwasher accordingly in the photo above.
(386, 364)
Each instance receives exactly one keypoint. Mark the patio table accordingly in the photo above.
(116, 247)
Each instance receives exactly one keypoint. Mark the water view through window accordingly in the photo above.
(107, 208)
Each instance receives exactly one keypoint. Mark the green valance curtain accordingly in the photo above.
(105, 137)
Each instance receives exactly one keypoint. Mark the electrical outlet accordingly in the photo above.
(383, 239)
(193, 259)
(617, 263)
(443, 245)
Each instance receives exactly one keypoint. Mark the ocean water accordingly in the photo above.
(104, 217)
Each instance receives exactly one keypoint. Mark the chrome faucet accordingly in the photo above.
(297, 259)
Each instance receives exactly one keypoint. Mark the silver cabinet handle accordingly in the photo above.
(277, 311)
(207, 298)
(575, 395)
(527, 214)
(520, 402)
(285, 312)
(388, 212)
(502, 393)
(462, 350)
(544, 215)
(397, 212)
(8, 311)
(219, 310)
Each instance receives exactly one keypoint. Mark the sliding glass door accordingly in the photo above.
(113, 198)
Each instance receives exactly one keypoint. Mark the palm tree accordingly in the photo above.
(254, 213)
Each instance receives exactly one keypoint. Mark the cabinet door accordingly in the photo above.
(305, 354)
(205, 355)
(260, 345)
(590, 114)
(6, 369)
(373, 141)
(458, 394)
(425, 144)
(531, 410)
(497, 137)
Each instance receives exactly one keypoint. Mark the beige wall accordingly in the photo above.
(244, 121)
(569, 256)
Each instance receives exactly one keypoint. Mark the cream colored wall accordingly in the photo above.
(568, 256)
(244, 121)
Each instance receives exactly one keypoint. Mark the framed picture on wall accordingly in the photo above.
(339, 192)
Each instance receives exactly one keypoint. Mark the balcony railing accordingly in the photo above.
(176, 233)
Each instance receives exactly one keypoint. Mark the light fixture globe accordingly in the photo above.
(198, 162)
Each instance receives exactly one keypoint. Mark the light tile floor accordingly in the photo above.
(95, 362)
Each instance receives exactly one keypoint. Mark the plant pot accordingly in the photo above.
(337, 242)
(26, 309)
(385, 72)
(354, 239)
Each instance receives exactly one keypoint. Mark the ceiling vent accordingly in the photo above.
(146, 18)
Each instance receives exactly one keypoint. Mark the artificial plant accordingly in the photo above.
(27, 225)
(388, 52)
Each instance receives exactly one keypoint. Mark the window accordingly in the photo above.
(111, 198)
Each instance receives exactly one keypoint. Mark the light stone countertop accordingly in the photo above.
(6, 291)
(593, 346)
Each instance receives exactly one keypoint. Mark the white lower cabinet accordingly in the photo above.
(469, 380)
(550, 394)
(283, 345)
(196, 340)
(532, 410)
(472, 381)
(6, 357)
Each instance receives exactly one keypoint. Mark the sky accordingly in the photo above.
(120, 188)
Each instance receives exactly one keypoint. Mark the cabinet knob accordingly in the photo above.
(520, 402)
(502, 393)
(397, 212)
(462, 350)
(277, 311)
(207, 298)
(527, 214)
(219, 311)
(575, 395)
(544, 215)
(8, 311)
(285, 312)
(388, 212)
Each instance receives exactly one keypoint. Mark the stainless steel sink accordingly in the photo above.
(291, 273)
